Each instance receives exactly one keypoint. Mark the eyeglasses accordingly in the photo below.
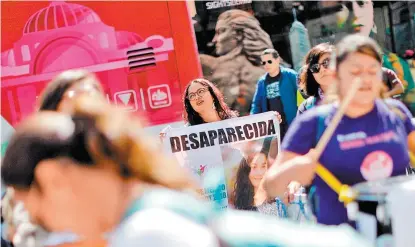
(199, 93)
(87, 88)
(265, 62)
(315, 68)
(74, 93)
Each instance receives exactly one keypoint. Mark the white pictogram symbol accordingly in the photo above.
(159, 96)
(126, 100)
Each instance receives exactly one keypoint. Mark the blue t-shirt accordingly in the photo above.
(366, 148)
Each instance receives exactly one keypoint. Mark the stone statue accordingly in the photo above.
(239, 41)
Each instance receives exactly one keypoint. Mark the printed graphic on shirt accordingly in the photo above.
(377, 165)
(273, 90)
(361, 139)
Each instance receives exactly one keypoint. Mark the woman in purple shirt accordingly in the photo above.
(370, 143)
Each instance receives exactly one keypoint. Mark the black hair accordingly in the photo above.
(244, 190)
(27, 149)
(271, 51)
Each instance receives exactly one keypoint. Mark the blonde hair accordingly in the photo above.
(121, 140)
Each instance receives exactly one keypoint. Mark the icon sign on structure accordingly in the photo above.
(159, 96)
(126, 100)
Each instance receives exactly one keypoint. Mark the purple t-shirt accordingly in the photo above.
(369, 147)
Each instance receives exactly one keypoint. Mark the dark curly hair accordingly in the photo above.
(244, 190)
(307, 81)
(191, 117)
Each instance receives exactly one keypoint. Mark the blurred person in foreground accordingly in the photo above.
(89, 174)
(58, 95)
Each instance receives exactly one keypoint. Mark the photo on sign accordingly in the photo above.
(245, 166)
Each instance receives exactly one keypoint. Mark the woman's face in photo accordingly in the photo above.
(363, 12)
(363, 16)
(259, 166)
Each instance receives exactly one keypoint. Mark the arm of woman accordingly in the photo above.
(395, 82)
(289, 172)
(411, 142)
(295, 164)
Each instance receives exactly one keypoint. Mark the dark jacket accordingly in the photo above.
(288, 91)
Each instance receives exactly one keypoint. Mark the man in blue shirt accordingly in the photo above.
(276, 90)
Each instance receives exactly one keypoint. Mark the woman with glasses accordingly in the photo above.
(63, 89)
(58, 95)
(204, 103)
(316, 76)
(370, 143)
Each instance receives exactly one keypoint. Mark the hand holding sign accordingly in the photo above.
(163, 132)
(278, 116)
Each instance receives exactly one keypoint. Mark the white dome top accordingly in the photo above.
(60, 14)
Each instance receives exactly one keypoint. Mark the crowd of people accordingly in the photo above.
(88, 175)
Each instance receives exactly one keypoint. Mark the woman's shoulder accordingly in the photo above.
(395, 106)
(185, 204)
(316, 112)
(309, 102)
(158, 227)
(395, 103)
(288, 71)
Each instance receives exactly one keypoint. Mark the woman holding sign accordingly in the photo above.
(204, 103)
(371, 142)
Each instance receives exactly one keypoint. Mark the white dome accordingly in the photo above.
(59, 15)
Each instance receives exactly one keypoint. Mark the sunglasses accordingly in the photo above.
(265, 62)
(315, 68)
(200, 92)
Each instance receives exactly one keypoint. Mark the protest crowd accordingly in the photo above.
(335, 169)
